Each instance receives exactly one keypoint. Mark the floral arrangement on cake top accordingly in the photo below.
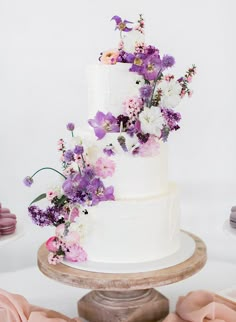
(151, 115)
(82, 186)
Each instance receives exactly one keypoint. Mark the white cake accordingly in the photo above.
(142, 224)
(115, 203)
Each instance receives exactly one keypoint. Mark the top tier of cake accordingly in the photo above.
(109, 86)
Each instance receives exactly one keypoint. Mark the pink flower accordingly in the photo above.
(190, 93)
(54, 258)
(109, 57)
(74, 213)
(104, 167)
(52, 244)
(51, 194)
(71, 238)
(189, 79)
(60, 231)
(76, 253)
(150, 148)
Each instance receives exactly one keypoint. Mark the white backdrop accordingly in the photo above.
(45, 47)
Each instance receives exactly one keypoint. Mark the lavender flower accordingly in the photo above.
(151, 67)
(70, 127)
(28, 181)
(125, 57)
(103, 123)
(167, 61)
(138, 62)
(79, 149)
(99, 192)
(145, 91)
(121, 24)
(69, 156)
(172, 118)
(109, 150)
(149, 50)
(47, 217)
(143, 138)
(86, 189)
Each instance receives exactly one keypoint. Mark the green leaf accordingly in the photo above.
(61, 201)
(40, 197)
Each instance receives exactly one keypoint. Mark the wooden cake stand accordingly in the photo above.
(124, 297)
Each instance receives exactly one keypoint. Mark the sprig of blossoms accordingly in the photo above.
(81, 188)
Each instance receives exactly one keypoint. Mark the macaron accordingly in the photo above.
(7, 226)
(7, 230)
(4, 210)
(6, 222)
(7, 215)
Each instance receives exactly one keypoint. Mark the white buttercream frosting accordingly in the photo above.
(134, 231)
(109, 86)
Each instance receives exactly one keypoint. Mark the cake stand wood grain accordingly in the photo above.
(124, 297)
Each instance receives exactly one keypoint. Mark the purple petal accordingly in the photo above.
(127, 21)
(109, 193)
(117, 19)
(99, 117)
(92, 122)
(126, 29)
(99, 132)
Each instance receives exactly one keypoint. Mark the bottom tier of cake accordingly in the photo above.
(132, 231)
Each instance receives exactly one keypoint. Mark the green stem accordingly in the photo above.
(48, 168)
(154, 87)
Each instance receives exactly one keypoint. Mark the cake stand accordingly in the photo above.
(124, 297)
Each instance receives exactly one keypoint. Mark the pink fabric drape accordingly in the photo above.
(202, 306)
(15, 308)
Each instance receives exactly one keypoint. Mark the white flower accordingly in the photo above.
(131, 39)
(151, 120)
(170, 96)
(80, 226)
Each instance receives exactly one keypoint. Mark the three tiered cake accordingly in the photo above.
(116, 203)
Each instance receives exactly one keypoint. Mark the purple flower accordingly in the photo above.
(143, 138)
(121, 24)
(167, 61)
(70, 127)
(28, 181)
(89, 173)
(125, 57)
(149, 50)
(172, 118)
(79, 149)
(151, 67)
(86, 189)
(138, 62)
(145, 91)
(103, 123)
(69, 156)
(109, 150)
(47, 217)
(99, 192)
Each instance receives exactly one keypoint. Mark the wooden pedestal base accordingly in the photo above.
(127, 306)
(124, 297)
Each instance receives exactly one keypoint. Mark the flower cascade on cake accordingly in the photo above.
(81, 187)
(150, 116)
(129, 130)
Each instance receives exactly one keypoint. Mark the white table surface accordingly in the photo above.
(204, 211)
